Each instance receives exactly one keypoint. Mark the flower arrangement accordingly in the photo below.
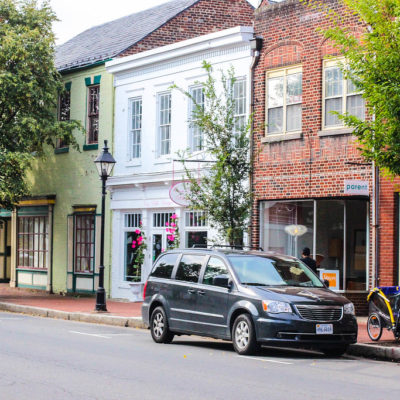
(139, 245)
(173, 232)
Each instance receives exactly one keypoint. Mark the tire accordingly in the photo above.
(335, 351)
(374, 327)
(244, 336)
(159, 327)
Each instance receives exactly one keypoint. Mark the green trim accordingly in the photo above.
(5, 213)
(68, 86)
(32, 271)
(88, 147)
(88, 81)
(96, 80)
(81, 291)
(32, 287)
(33, 211)
(61, 150)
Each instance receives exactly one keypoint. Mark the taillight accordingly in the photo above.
(144, 290)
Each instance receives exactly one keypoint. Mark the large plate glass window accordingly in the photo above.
(340, 95)
(284, 101)
(132, 272)
(196, 226)
(195, 133)
(135, 128)
(84, 235)
(164, 123)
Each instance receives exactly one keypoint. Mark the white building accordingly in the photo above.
(151, 126)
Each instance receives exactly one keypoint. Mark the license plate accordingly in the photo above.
(324, 329)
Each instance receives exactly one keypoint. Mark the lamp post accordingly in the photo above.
(104, 164)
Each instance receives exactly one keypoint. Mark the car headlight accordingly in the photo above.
(275, 307)
(349, 309)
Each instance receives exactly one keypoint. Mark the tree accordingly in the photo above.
(29, 90)
(373, 63)
(223, 191)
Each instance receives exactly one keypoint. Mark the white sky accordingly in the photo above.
(78, 15)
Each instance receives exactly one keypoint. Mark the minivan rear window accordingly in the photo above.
(189, 268)
(164, 266)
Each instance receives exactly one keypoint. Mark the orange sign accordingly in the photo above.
(332, 276)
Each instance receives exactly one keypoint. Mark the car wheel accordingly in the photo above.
(374, 326)
(335, 351)
(244, 335)
(159, 326)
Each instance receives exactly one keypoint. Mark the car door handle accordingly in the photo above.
(191, 291)
(201, 292)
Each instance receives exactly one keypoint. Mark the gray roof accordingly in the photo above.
(105, 41)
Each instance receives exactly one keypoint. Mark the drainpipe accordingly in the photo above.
(256, 45)
(375, 223)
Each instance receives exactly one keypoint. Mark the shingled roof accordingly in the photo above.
(106, 41)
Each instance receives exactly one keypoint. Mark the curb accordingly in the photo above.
(374, 351)
(131, 322)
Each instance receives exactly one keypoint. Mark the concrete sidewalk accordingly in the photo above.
(122, 313)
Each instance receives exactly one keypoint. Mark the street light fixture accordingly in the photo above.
(104, 164)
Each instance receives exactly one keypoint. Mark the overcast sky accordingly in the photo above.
(78, 15)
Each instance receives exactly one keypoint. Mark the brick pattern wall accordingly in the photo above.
(313, 166)
(205, 16)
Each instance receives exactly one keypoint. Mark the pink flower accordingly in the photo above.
(140, 239)
(167, 224)
(174, 216)
(162, 250)
(137, 231)
(173, 224)
(133, 246)
(171, 238)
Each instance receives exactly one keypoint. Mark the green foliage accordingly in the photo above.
(374, 61)
(29, 89)
(223, 191)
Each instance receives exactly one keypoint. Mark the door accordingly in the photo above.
(212, 301)
(5, 249)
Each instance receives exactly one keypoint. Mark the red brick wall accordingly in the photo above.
(313, 166)
(206, 16)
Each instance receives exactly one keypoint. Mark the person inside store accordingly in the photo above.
(306, 258)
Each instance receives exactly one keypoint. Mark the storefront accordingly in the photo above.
(335, 230)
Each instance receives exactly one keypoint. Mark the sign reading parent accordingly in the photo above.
(356, 187)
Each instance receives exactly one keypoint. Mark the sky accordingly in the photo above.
(78, 15)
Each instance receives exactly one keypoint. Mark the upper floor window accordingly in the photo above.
(93, 114)
(340, 95)
(135, 128)
(284, 99)
(239, 97)
(196, 137)
(64, 110)
(164, 123)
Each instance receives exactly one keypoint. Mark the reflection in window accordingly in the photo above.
(215, 267)
(164, 266)
(189, 268)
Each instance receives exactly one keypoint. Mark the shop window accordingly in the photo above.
(284, 101)
(339, 95)
(195, 222)
(135, 128)
(133, 272)
(84, 235)
(164, 124)
(93, 114)
(32, 242)
(196, 136)
(160, 219)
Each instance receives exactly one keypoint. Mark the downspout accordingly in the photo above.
(256, 45)
(375, 223)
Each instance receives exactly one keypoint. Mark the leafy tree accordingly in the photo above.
(29, 89)
(223, 191)
(373, 60)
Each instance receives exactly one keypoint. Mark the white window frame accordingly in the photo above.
(277, 73)
(238, 115)
(201, 227)
(191, 128)
(126, 228)
(134, 132)
(345, 95)
(160, 153)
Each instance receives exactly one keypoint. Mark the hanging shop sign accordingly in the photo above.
(332, 276)
(177, 194)
(356, 187)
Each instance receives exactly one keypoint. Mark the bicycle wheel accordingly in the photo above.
(374, 327)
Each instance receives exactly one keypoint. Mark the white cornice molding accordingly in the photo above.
(226, 38)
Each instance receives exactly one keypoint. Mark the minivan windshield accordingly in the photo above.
(258, 270)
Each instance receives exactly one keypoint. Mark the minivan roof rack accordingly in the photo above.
(237, 247)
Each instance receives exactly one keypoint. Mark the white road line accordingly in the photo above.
(267, 360)
(90, 334)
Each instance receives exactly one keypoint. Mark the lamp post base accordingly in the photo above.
(101, 300)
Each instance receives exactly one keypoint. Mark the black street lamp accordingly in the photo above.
(104, 164)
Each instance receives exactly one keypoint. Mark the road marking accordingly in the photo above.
(90, 334)
(267, 360)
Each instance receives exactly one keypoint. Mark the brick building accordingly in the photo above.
(312, 188)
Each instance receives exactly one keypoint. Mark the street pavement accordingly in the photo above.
(128, 314)
(43, 358)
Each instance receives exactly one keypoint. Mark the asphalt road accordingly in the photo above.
(53, 359)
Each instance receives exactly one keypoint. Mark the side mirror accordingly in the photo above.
(222, 281)
(326, 283)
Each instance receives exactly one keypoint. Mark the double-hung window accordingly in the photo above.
(340, 95)
(93, 114)
(284, 101)
(84, 241)
(135, 128)
(164, 123)
(239, 97)
(196, 137)
(64, 110)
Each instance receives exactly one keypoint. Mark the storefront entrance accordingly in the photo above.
(5, 249)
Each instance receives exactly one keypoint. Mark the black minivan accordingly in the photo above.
(249, 297)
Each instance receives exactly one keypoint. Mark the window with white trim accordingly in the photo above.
(160, 219)
(135, 128)
(239, 97)
(132, 231)
(340, 95)
(284, 101)
(195, 133)
(164, 123)
(196, 225)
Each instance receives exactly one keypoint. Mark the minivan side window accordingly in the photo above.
(189, 268)
(164, 266)
(215, 267)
